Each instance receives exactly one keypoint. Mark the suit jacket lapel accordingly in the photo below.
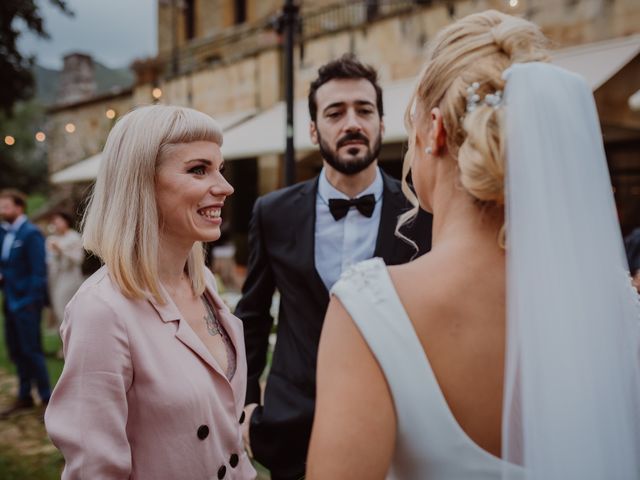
(392, 205)
(304, 216)
(17, 240)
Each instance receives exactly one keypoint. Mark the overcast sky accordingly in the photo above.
(114, 32)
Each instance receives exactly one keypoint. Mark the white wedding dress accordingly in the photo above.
(430, 444)
(571, 406)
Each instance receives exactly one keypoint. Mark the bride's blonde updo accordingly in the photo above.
(477, 48)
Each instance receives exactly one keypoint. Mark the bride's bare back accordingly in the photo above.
(454, 296)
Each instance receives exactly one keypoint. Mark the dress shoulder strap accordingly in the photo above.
(369, 296)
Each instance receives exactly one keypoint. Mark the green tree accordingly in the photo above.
(16, 80)
(23, 165)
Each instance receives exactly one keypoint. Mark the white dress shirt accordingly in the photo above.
(10, 236)
(342, 243)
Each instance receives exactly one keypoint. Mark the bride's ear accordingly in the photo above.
(437, 134)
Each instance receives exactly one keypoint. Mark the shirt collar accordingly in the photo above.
(327, 191)
(15, 226)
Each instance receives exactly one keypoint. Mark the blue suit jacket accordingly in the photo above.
(24, 273)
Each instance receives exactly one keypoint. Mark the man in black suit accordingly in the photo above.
(301, 238)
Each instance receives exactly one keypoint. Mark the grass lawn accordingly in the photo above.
(14, 465)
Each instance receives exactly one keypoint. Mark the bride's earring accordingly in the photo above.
(428, 150)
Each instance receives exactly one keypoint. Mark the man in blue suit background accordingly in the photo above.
(23, 275)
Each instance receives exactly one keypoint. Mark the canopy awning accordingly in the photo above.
(598, 62)
(86, 170)
(83, 171)
(264, 133)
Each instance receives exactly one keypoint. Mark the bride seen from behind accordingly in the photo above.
(476, 360)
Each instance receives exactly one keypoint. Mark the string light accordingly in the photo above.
(513, 3)
(70, 127)
(156, 93)
(110, 114)
(9, 140)
(40, 136)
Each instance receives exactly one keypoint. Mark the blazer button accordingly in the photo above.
(203, 432)
(242, 418)
(233, 460)
(222, 471)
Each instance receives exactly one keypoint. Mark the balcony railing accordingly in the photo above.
(245, 40)
(355, 14)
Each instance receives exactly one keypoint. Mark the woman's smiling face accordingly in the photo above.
(190, 191)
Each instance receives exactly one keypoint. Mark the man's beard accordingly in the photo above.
(9, 218)
(352, 165)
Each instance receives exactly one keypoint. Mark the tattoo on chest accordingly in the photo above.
(214, 327)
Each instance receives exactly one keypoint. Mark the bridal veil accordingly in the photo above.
(572, 372)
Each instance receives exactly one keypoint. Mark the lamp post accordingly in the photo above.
(287, 25)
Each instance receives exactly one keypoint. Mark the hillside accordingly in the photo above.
(106, 78)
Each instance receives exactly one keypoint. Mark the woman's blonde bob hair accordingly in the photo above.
(476, 48)
(121, 223)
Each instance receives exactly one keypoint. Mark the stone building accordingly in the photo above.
(224, 57)
(78, 81)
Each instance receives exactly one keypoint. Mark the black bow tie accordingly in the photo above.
(365, 205)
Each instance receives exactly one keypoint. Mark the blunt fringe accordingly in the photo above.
(121, 222)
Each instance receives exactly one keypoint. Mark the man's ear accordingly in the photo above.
(382, 128)
(313, 132)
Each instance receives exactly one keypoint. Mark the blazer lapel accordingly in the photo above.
(17, 240)
(304, 216)
(233, 328)
(170, 313)
(392, 205)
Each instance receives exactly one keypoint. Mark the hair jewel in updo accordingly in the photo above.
(473, 99)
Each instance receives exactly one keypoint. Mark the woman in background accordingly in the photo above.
(64, 260)
(155, 373)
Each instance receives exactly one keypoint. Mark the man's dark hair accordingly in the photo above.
(19, 198)
(345, 67)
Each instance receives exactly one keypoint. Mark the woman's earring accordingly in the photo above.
(428, 150)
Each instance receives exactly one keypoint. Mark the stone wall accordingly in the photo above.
(91, 129)
(216, 91)
(77, 80)
(394, 45)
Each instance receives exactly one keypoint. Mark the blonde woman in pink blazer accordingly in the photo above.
(155, 371)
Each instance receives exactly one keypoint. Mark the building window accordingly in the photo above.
(190, 19)
(240, 10)
(373, 9)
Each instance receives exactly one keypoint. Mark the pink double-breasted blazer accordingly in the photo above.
(140, 396)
